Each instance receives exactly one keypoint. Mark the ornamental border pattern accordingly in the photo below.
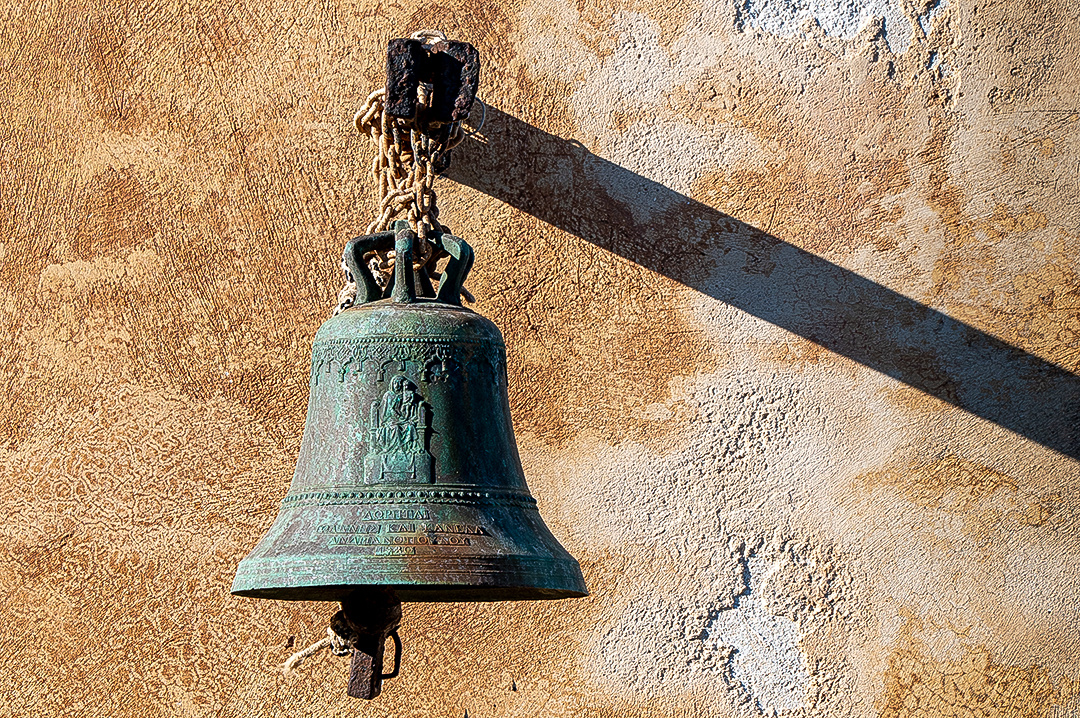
(431, 496)
(423, 350)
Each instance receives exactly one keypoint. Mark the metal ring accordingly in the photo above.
(465, 134)
(397, 658)
(483, 118)
(424, 34)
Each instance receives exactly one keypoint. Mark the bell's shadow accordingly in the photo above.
(560, 182)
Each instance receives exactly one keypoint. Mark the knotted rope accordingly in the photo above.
(341, 637)
(338, 645)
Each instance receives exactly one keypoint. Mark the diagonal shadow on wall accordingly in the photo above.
(561, 183)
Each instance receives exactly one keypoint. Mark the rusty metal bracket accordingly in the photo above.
(431, 87)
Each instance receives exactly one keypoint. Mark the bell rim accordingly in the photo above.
(449, 593)
(492, 578)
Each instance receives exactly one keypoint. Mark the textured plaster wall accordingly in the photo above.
(790, 295)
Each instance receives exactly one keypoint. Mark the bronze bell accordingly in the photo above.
(408, 486)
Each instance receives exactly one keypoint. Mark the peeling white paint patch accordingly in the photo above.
(659, 642)
(735, 637)
(653, 139)
(683, 151)
(927, 19)
(765, 659)
(839, 18)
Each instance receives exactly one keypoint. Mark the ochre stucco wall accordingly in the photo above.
(790, 297)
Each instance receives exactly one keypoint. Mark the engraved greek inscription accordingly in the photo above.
(355, 540)
(406, 540)
(372, 540)
(458, 529)
(348, 529)
(401, 528)
(396, 515)
(394, 551)
(451, 540)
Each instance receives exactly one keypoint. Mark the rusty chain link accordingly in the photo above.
(404, 172)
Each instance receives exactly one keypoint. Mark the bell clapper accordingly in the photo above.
(369, 617)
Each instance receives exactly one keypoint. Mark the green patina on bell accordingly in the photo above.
(408, 478)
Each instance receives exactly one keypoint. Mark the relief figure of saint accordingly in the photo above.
(399, 423)
(397, 435)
